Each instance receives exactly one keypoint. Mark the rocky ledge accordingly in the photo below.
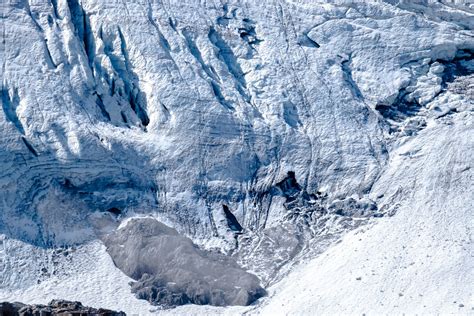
(55, 307)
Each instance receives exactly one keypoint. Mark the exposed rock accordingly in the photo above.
(55, 307)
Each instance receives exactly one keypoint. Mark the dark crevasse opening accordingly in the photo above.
(232, 221)
(289, 186)
(115, 211)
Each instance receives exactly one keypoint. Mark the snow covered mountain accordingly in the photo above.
(300, 156)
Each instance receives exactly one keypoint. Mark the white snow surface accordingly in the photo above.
(173, 109)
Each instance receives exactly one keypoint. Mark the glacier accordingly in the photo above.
(321, 150)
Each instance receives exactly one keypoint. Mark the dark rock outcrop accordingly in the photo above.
(55, 307)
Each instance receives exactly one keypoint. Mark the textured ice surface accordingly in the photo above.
(263, 129)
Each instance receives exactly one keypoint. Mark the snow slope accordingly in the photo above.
(91, 277)
(421, 260)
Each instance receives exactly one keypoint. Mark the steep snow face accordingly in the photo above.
(181, 106)
(263, 128)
